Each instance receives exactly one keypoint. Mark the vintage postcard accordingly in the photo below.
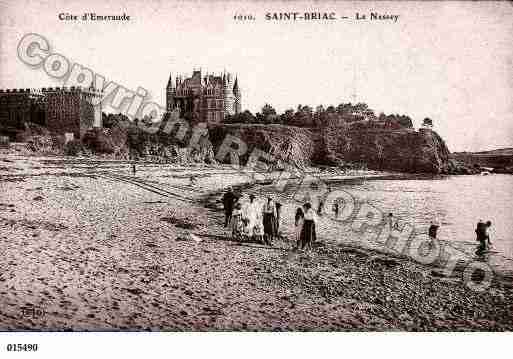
(255, 166)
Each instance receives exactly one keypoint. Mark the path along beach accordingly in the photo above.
(89, 246)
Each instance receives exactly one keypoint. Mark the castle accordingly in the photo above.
(204, 99)
(61, 110)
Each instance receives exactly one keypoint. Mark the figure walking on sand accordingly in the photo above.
(269, 221)
(308, 234)
(298, 222)
(228, 202)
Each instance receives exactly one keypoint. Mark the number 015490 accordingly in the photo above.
(22, 347)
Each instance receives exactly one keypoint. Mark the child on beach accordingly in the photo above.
(258, 234)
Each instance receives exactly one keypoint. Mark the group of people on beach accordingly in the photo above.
(261, 223)
(254, 221)
(251, 220)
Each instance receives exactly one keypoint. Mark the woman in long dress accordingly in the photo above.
(278, 219)
(252, 216)
(269, 221)
(298, 222)
(236, 222)
(308, 234)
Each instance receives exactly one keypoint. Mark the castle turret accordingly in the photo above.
(237, 105)
(228, 94)
(170, 94)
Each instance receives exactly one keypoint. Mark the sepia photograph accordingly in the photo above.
(255, 166)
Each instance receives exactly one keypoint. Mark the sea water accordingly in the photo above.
(456, 202)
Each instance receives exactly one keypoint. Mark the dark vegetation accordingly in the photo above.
(358, 114)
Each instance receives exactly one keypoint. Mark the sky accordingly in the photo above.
(450, 61)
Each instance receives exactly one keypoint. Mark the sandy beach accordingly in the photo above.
(85, 245)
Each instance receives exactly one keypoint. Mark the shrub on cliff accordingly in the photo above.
(98, 142)
(73, 148)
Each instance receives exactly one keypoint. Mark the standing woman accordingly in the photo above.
(269, 221)
(308, 235)
(236, 222)
(278, 219)
(251, 216)
(299, 220)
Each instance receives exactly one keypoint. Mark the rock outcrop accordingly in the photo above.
(404, 150)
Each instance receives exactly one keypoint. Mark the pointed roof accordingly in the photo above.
(170, 81)
(236, 87)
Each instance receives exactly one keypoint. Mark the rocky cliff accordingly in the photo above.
(405, 150)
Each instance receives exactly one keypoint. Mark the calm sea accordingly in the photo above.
(457, 202)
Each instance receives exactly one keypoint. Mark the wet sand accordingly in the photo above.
(88, 246)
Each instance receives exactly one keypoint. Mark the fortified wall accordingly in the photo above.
(61, 110)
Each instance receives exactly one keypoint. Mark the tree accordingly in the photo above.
(405, 121)
(244, 117)
(287, 117)
(319, 116)
(303, 116)
(268, 110)
(427, 123)
(267, 115)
